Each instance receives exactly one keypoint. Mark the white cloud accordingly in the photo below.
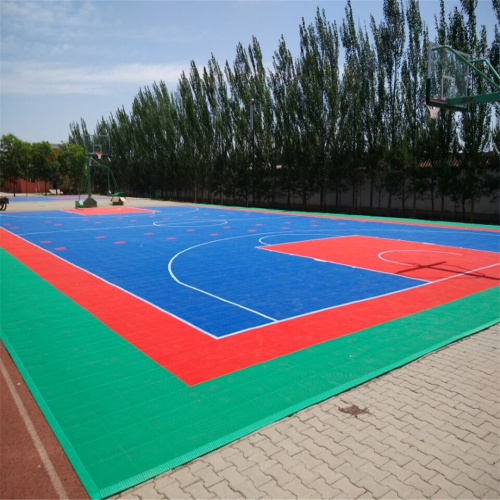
(43, 16)
(35, 78)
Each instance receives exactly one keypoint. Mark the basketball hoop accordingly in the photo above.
(99, 154)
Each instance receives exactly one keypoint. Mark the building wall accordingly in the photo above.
(22, 186)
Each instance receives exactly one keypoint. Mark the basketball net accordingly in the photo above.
(433, 111)
(99, 154)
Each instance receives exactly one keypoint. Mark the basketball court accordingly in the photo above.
(152, 335)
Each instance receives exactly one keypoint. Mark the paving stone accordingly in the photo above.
(375, 488)
(307, 459)
(273, 490)
(425, 489)
(353, 474)
(375, 472)
(208, 476)
(257, 475)
(248, 490)
(453, 490)
(165, 480)
(249, 449)
(330, 459)
(417, 455)
(185, 478)
(465, 468)
(268, 447)
(239, 461)
(397, 457)
(232, 476)
(312, 447)
(442, 468)
(280, 475)
(323, 488)
(374, 458)
(475, 486)
(272, 433)
(223, 490)
(172, 491)
(148, 491)
(348, 490)
(198, 491)
(390, 495)
(401, 488)
(493, 494)
(490, 482)
(329, 475)
(301, 490)
(305, 475)
(291, 447)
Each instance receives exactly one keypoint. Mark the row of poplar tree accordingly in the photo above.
(347, 113)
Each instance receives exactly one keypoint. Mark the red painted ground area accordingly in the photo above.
(108, 210)
(421, 261)
(193, 356)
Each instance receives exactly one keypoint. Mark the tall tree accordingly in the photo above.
(354, 96)
(284, 85)
(265, 160)
(239, 78)
(44, 162)
(476, 124)
(390, 39)
(71, 159)
(412, 82)
(494, 56)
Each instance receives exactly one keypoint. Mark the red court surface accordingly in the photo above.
(195, 357)
(422, 261)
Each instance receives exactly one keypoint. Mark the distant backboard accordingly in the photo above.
(449, 79)
(96, 145)
(448, 74)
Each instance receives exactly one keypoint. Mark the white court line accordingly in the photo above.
(204, 292)
(263, 236)
(413, 250)
(117, 287)
(363, 300)
(40, 448)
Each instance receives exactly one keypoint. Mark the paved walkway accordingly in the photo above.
(430, 429)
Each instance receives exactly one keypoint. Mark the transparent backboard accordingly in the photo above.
(94, 144)
(448, 77)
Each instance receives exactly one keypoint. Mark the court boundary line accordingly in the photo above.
(118, 287)
(207, 370)
(272, 321)
(395, 292)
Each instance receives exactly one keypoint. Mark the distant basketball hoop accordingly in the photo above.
(98, 154)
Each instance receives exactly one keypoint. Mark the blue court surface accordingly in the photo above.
(209, 266)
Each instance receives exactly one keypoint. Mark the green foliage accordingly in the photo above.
(325, 121)
(15, 159)
(43, 161)
(71, 170)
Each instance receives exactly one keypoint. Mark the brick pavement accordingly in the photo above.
(431, 430)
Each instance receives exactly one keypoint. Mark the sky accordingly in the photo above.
(61, 61)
